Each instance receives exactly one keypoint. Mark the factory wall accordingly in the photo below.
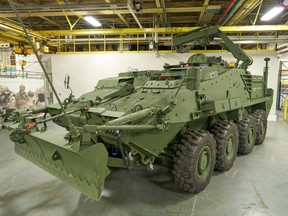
(86, 69)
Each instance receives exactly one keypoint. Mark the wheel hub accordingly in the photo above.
(262, 128)
(203, 161)
(250, 135)
(230, 147)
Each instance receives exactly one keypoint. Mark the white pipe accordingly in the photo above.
(280, 39)
(282, 45)
(134, 15)
(283, 50)
(243, 40)
(106, 39)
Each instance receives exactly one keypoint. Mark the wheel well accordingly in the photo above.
(261, 106)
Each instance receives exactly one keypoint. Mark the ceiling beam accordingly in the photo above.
(110, 12)
(13, 37)
(159, 16)
(50, 21)
(168, 30)
(123, 19)
(207, 19)
(17, 29)
(157, 2)
(164, 12)
(9, 40)
(50, 7)
(203, 12)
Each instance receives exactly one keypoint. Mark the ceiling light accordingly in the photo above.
(272, 13)
(92, 21)
(3, 26)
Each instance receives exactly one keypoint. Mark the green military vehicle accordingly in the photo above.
(195, 116)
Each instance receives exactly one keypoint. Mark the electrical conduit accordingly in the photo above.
(134, 15)
(244, 11)
(232, 2)
(232, 12)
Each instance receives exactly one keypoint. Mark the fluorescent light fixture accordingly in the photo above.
(272, 13)
(92, 21)
(3, 26)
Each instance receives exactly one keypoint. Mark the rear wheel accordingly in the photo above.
(194, 161)
(226, 136)
(247, 134)
(261, 126)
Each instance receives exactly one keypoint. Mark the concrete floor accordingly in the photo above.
(257, 185)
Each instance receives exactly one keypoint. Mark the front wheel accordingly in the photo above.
(194, 161)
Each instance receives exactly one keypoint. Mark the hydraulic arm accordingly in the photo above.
(204, 36)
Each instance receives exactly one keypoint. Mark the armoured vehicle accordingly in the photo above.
(195, 116)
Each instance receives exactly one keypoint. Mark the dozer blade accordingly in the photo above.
(85, 170)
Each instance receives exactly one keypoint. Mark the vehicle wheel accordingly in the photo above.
(194, 161)
(227, 137)
(261, 126)
(247, 134)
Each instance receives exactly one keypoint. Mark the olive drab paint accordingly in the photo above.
(139, 116)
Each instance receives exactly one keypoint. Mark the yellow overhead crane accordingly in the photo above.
(101, 39)
(23, 50)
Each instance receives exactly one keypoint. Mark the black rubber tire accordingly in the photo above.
(261, 126)
(195, 145)
(247, 134)
(227, 138)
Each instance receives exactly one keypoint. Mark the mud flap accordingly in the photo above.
(85, 170)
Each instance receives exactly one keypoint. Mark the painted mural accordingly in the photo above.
(21, 93)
